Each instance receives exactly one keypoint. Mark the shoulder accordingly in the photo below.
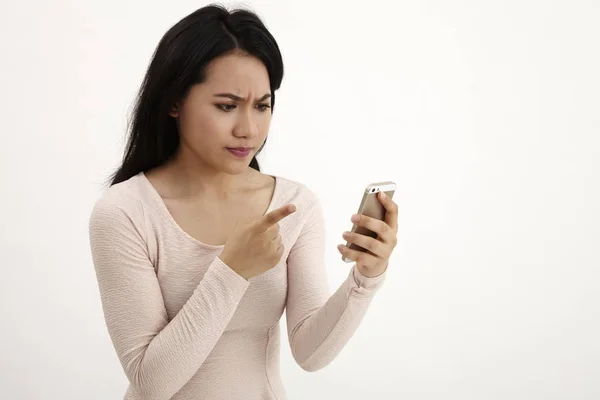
(294, 189)
(118, 205)
(302, 195)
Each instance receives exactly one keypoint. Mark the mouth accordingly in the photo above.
(240, 151)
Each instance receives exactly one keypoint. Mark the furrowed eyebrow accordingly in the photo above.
(234, 97)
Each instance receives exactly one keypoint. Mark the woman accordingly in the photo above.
(197, 253)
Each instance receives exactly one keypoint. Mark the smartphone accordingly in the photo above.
(371, 207)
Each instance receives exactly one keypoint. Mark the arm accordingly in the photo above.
(319, 325)
(158, 357)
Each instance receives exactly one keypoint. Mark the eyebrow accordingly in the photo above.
(238, 98)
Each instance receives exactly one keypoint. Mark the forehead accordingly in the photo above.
(237, 74)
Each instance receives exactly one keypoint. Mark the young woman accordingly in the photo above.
(198, 253)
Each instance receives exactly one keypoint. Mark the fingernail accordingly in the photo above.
(345, 234)
(355, 218)
(292, 208)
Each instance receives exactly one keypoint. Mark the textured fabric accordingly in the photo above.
(186, 326)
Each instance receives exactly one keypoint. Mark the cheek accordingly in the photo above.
(205, 125)
(264, 124)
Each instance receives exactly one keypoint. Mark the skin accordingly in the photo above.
(205, 187)
(375, 262)
(205, 182)
(210, 120)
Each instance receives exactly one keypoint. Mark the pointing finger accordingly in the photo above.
(275, 216)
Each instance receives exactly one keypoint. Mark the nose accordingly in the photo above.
(246, 126)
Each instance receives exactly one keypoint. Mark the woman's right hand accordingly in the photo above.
(254, 246)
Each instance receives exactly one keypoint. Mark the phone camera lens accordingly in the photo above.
(372, 190)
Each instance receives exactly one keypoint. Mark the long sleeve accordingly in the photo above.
(159, 357)
(319, 325)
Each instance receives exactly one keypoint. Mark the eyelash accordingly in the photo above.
(230, 107)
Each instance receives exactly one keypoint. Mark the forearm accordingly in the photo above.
(322, 334)
(160, 362)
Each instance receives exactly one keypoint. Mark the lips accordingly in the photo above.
(239, 151)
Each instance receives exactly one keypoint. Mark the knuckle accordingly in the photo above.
(266, 242)
(367, 243)
(376, 246)
(376, 243)
(385, 228)
(272, 233)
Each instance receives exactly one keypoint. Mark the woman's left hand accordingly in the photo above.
(374, 262)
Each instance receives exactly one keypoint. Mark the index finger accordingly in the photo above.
(275, 216)
(391, 211)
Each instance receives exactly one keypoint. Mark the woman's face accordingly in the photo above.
(230, 110)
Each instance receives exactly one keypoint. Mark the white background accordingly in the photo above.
(486, 115)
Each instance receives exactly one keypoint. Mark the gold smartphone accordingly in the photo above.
(371, 207)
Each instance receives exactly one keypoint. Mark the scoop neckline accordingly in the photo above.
(158, 200)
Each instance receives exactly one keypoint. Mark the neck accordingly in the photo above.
(190, 177)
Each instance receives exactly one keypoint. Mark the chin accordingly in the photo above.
(235, 168)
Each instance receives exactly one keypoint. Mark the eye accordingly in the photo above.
(263, 107)
(226, 107)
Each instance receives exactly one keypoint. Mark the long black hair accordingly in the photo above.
(178, 63)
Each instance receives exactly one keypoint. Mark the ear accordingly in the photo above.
(174, 111)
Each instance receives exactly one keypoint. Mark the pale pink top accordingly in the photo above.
(186, 326)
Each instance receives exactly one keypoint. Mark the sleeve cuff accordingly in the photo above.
(224, 272)
(365, 283)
